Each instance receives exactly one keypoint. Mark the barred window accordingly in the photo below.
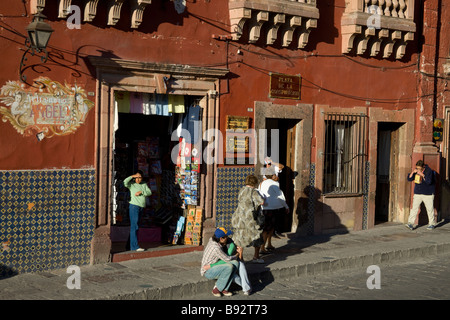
(345, 153)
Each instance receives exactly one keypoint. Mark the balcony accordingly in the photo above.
(378, 27)
(282, 18)
(89, 11)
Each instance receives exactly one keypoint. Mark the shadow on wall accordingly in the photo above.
(7, 272)
(310, 211)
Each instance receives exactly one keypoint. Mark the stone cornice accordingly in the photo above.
(129, 66)
(282, 18)
(114, 8)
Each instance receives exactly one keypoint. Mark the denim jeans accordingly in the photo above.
(224, 273)
(242, 278)
(135, 211)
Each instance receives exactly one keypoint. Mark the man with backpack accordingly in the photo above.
(425, 183)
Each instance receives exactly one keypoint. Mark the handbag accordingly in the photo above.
(258, 215)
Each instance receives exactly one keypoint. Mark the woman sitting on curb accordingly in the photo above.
(240, 277)
(224, 273)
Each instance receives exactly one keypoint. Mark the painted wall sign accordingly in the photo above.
(52, 110)
(284, 86)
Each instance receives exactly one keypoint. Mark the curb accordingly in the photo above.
(322, 265)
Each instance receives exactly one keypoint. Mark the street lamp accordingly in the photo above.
(39, 33)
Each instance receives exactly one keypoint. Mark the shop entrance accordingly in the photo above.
(287, 130)
(387, 172)
(143, 141)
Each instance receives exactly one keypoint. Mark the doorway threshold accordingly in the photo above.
(379, 224)
(154, 252)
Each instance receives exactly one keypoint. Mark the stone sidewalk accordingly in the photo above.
(178, 276)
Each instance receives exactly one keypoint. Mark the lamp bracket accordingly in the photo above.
(30, 50)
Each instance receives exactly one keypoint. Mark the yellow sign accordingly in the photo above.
(438, 129)
(53, 109)
(237, 123)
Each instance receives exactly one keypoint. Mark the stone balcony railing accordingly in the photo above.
(378, 27)
(282, 18)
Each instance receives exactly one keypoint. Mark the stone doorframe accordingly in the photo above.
(304, 113)
(117, 74)
(406, 144)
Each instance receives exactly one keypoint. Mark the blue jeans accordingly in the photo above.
(241, 278)
(135, 211)
(224, 273)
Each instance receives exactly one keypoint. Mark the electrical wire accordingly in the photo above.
(405, 100)
(289, 58)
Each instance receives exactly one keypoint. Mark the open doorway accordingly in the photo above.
(144, 140)
(287, 131)
(386, 198)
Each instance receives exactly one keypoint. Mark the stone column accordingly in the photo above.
(425, 148)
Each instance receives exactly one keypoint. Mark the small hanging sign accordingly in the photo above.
(438, 129)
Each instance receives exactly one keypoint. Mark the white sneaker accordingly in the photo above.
(140, 250)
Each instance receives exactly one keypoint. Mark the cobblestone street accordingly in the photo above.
(419, 279)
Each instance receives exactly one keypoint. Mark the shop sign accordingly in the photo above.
(284, 86)
(238, 143)
(51, 110)
(237, 139)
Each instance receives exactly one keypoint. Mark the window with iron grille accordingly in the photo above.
(345, 153)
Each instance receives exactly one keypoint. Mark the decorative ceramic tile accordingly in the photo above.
(366, 195)
(46, 219)
(229, 182)
(311, 199)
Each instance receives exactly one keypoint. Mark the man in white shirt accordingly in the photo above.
(275, 204)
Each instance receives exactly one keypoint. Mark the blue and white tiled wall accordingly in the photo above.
(46, 219)
(229, 182)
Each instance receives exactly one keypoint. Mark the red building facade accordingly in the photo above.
(343, 93)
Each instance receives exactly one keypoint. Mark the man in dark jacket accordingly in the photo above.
(425, 183)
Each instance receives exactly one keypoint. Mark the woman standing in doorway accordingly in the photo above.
(138, 190)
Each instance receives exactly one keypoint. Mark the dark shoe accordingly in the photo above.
(216, 292)
(226, 293)
(409, 226)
